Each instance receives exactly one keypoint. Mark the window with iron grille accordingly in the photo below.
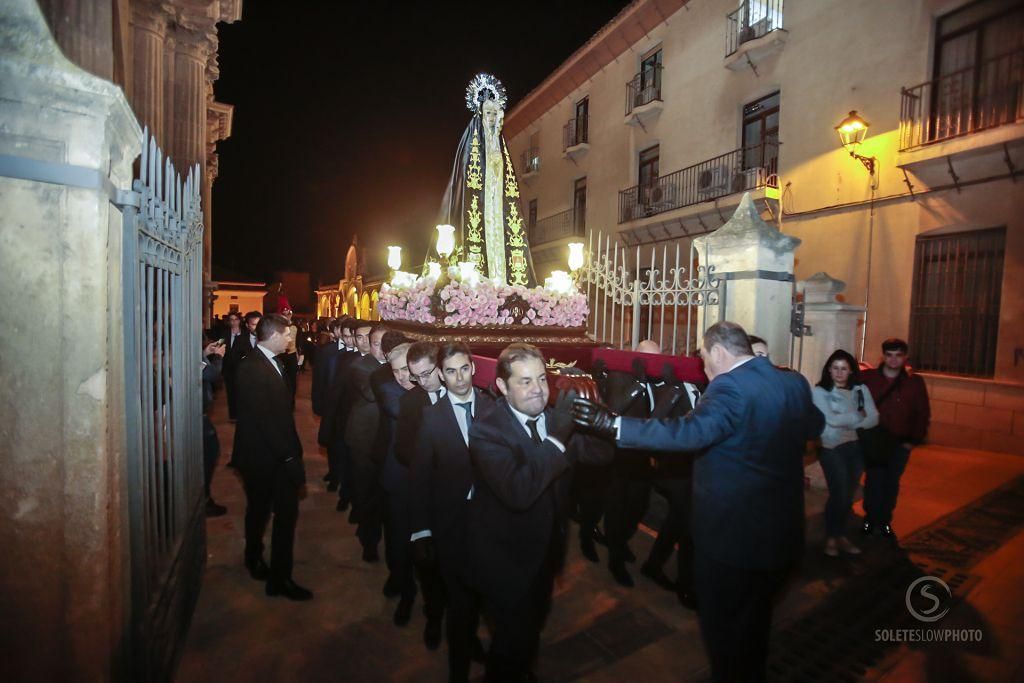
(954, 304)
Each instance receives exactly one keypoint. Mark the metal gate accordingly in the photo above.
(662, 297)
(162, 285)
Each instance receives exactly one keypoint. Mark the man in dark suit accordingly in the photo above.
(326, 356)
(394, 480)
(236, 346)
(422, 364)
(331, 433)
(518, 516)
(754, 421)
(361, 417)
(441, 480)
(268, 454)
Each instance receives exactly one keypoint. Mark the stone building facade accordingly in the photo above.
(652, 131)
(163, 54)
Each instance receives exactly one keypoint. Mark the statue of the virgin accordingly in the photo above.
(482, 200)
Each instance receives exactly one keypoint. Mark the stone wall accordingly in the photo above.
(978, 414)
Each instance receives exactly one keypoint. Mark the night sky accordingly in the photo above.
(348, 114)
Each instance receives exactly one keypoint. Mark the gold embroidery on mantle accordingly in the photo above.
(511, 188)
(474, 238)
(474, 176)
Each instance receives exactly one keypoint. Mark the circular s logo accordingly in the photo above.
(928, 598)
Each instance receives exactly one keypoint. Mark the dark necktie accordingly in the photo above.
(436, 394)
(468, 407)
(279, 364)
(534, 433)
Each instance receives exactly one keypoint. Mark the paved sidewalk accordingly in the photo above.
(824, 628)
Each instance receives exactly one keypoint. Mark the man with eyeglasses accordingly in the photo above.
(421, 359)
(441, 487)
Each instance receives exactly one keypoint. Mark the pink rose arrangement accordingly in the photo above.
(481, 303)
(405, 301)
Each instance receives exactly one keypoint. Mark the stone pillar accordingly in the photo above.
(67, 140)
(84, 30)
(754, 262)
(830, 324)
(149, 32)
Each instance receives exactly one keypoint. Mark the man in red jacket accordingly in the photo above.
(902, 400)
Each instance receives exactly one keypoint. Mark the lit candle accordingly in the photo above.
(445, 240)
(394, 258)
(575, 256)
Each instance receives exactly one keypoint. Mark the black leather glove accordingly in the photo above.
(423, 554)
(295, 471)
(560, 420)
(668, 373)
(594, 418)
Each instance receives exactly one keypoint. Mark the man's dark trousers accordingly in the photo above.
(735, 613)
(265, 495)
(882, 486)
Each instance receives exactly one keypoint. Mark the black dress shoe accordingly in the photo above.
(342, 505)
(289, 589)
(887, 531)
(403, 612)
(867, 528)
(588, 549)
(258, 569)
(370, 554)
(432, 633)
(391, 588)
(657, 575)
(628, 555)
(477, 652)
(213, 509)
(687, 599)
(621, 576)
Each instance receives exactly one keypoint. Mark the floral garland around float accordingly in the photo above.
(468, 300)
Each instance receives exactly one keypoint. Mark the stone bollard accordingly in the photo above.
(830, 324)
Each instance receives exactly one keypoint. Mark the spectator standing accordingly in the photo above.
(904, 413)
(213, 356)
(847, 406)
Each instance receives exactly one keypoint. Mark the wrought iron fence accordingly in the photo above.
(750, 21)
(558, 226)
(963, 102)
(740, 170)
(162, 263)
(529, 160)
(643, 88)
(664, 298)
(575, 132)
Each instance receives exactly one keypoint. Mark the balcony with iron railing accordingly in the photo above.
(574, 133)
(558, 226)
(529, 161)
(753, 20)
(643, 89)
(740, 170)
(968, 101)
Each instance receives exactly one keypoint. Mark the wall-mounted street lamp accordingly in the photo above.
(575, 256)
(851, 131)
(394, 258)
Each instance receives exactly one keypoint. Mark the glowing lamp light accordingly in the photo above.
(394, 258)
(468, 272)
(403, 279)
(559, 282)
(434, 270)
(575, 256)
(852, 130)
(445, 240)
